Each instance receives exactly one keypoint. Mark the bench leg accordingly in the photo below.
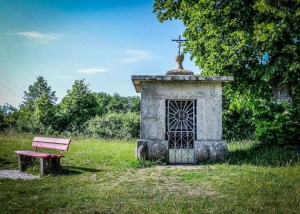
(45, 165)
(48, 164)
(24, 161)
(55, 163)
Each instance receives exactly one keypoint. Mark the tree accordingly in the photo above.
(134, 104)
(2, 124)
(103, 100)
(35, 91)
(8, 116)
(117, 104)
(257, 42)
(78, 106)
(44, 110)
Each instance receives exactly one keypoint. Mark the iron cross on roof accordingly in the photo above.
(179, 41)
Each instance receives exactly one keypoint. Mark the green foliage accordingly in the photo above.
(277, 123)
(44, 110)
(8, 116)
(103, 100)
(30, 123)
(260, 154)
(26, 122)
(36, 113)
(114, 125)
(237, 123)
(134, 104)
(116, 103)
(142, 163)
(234, 38)
(78, 106)
(40, 115)
(256, 41)
(35, 91)
(2, 125)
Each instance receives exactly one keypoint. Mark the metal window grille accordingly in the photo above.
(181, 130)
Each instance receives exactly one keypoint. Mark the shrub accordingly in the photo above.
(277, 123)
(8, 116)
(114, 125)
(237, 123)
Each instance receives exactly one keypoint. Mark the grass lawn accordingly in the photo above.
(103, 176)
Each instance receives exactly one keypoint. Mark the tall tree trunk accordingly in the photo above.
(282, 92)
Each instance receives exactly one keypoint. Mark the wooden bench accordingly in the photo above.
(47, 161)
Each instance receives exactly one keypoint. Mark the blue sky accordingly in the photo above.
(101, 41)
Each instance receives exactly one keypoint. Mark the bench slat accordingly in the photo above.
(38, 154)
(33, 154)
(50, 146)
(52, 140)
(47, 161)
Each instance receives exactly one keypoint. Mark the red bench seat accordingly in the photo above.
(38, 154)
(47, 161)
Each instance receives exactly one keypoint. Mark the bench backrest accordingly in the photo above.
(51, 143)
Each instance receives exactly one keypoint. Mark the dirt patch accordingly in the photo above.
(157, 181)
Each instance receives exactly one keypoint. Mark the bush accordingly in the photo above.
(277, 123)
(237, 123)
(8, 116)
(114, 125)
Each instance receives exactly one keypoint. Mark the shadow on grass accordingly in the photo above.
(4, 161)
(266, 155)
(72, 170)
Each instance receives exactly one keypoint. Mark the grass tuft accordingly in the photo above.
(250, 152)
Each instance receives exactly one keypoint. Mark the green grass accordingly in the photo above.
(103, 176)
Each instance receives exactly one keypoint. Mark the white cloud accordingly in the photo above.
(137, 55)
(39, 36)
(91, 70)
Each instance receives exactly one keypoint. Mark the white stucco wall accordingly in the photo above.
(209, 107)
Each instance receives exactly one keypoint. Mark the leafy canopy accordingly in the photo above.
(256, 41)
(44, 110)
(8, 116)
(79, 105)
(35, 91)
